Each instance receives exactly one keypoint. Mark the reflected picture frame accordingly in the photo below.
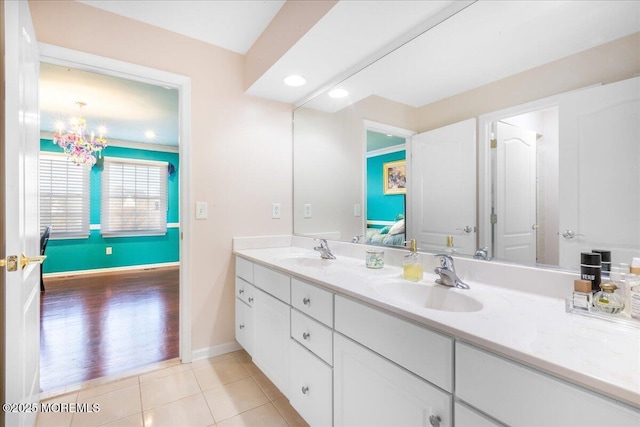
(394, 177)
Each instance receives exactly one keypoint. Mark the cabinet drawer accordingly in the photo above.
(311, 390)
(244, 325)
(313, 301)
(313, 335)
(244, 269)
(518, 395)
(244, 291)
(272, 282)
(425, 353)
(467, 417)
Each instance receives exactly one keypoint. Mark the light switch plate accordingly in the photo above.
(357, 210)
(201, 210)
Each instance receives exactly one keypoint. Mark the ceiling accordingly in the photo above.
(350, 35)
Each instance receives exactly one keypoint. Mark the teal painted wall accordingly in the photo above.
(381, 207)
(88, 254)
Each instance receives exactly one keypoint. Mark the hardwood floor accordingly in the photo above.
(103, 324)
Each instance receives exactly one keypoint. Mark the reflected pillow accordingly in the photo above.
(385, 229)
(397, 228)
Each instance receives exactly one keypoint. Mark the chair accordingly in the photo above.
(44, 239)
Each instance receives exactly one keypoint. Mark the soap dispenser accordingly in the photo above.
(412, 263)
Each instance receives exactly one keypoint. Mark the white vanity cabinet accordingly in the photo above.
(311, 387)
(381, 365)
(517, 395)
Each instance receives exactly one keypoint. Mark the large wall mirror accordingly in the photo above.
(513, 126)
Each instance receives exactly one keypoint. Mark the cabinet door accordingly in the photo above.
(371, 391)
(244, 325)
(271, 338)
(311, 387)
(467, 417)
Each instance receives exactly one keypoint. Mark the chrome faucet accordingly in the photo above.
(482, 253)
(447, 273)
(323, 248)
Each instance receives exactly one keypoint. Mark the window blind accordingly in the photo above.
(64, 197)
(134, 198)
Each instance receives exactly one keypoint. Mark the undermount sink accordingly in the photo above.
(434, 297)
(305, 260)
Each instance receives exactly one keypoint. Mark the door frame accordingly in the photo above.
(484, 155)
(97, 64)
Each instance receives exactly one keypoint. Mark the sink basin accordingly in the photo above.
(304, 260)
(423, 295)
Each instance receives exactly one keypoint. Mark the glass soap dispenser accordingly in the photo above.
(606, 301)
(412, 263)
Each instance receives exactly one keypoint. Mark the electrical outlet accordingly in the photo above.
(307, 210)
(275, 210)
(109, 250)
(357, 210)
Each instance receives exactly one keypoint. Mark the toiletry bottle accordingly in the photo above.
(633, 295)
(412, 264)
(605, 259)
(607, 301)
(590, 266)
(618, 277)
(635, 266)
(582, 294)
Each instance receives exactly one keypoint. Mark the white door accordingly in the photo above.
(443, 188)
(515, 195)
(22, 297)
(600, 127)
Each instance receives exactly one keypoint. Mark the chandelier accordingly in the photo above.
(79, 148)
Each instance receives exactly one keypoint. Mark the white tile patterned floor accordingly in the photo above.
(224, 391)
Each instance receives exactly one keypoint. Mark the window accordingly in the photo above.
(64, 197)
(134, 198)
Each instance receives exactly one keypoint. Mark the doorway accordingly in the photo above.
(92, 63)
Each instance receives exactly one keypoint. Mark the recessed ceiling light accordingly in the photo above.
(295, 80)
(338, 93)
(150, 134)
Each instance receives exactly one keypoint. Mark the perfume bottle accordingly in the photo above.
(606, 301)
(412, 264)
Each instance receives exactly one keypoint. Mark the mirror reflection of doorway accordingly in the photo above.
(524, 176)
(386, 204)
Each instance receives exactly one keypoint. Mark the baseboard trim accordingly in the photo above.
(112, 269)
(217, 350)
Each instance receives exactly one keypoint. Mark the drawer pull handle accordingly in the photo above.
(434, 420)
(250, 299)
(306, 301)
(241, 291)
(306, 335)
(305, 390)
(242, 326)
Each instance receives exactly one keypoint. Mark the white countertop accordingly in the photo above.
(529, 328)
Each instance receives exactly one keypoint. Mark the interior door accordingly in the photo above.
(22, 281)
(600, 126)
(515, 194)
(443, 188)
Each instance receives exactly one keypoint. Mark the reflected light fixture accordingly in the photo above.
(79, 148)
(338, 93)
(295, 80)
(150, 134)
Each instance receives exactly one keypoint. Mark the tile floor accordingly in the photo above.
(224, 391)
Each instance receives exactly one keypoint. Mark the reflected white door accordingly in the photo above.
(443, 188)
(515, 194)
(599, 129)
(22, 297)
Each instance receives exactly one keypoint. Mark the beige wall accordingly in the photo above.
(240, 147)
(608, 63)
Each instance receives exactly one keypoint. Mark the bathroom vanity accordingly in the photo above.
(351, 346)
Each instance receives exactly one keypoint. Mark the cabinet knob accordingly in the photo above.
(306, 335)
(434, 420)
(241, 326)
(250, 299)
(305, 390)
(306, 301)
(241, 291)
